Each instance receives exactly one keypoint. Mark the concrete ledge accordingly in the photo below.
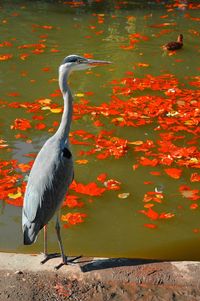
(22, 277)
(120, 269)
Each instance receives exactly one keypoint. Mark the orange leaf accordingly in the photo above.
(40, 126)
(166, 215)
(151, 226)
(102, 177)
(74, 218)
(88, 55)
(143, 65)
(5, 57)
(174, 172)
(148, 162)
(21, 124)
(150, 213)
(81, 161)
(24, 167)
(189, 193)
(90, 189)
(155, 173)
(194, 206)
(112, 184)
(71, 201)
(195, 177)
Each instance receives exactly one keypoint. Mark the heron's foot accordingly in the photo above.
(67, 261)
(49, 256)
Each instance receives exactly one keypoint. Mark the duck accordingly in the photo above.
(174, 45)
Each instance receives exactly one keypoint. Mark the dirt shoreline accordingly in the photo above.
(22, 277)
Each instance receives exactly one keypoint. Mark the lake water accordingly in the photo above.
(151, 215)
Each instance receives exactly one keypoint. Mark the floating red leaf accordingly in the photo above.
(174, 173)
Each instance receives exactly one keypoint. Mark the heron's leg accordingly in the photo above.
(45, 240)
(46, 255)
(64, 258)
(45, 245)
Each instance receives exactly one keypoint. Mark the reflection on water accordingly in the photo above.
(38, 36)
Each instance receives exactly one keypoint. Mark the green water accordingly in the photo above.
(114, 227)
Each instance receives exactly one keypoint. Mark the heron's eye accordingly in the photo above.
(79, 61)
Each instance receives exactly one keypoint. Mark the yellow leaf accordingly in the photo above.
(123, 195)
(82, 161)
(46, 108)
(15, 195)
(44, 101)
(138, 142)
(79, 94)
(56, 110)
(143, 65)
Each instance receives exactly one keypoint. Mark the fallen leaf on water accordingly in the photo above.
(74, 218)
(21, 124)
(174, 172)
(154, 215)
(79, 94)
(56, 110)
(15, 195)
(102, 177)
(148, 162)
(155, 173)
(5, 57)
(194, 206)
(195, 177)
(40, 126)
(196, 230)
(112, 184)
(123, 195)
(143, 65)
(189, 193)
(24, 167)
(151, 226)
(71, 201)
(89, 189)
(138, 142)
(81, 161)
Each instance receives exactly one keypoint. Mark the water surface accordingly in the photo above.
(114, 226)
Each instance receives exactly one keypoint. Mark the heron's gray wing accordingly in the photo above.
(31, 203)
(50, 177)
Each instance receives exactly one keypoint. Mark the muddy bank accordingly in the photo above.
(22, 277)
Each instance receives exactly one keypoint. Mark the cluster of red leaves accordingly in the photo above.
(173, 115)
(10, 191)
(33, 48)
(133, 39)
(73, 218)
(5, 57)
(13, 188)
(150, 199)
(103, 145)
(90, 189)
(71, 201)
(172, 112)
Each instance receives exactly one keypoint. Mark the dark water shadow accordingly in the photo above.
(108, 263)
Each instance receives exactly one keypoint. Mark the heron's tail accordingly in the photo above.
(30, 232)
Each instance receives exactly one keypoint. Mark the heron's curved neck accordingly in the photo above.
(64, 128)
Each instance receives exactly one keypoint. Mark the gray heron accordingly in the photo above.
(52, 171)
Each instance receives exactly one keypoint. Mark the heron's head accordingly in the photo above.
(75, 62)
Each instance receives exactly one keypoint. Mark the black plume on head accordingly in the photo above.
(72, 59)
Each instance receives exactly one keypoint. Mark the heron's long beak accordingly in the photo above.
(94, 63)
